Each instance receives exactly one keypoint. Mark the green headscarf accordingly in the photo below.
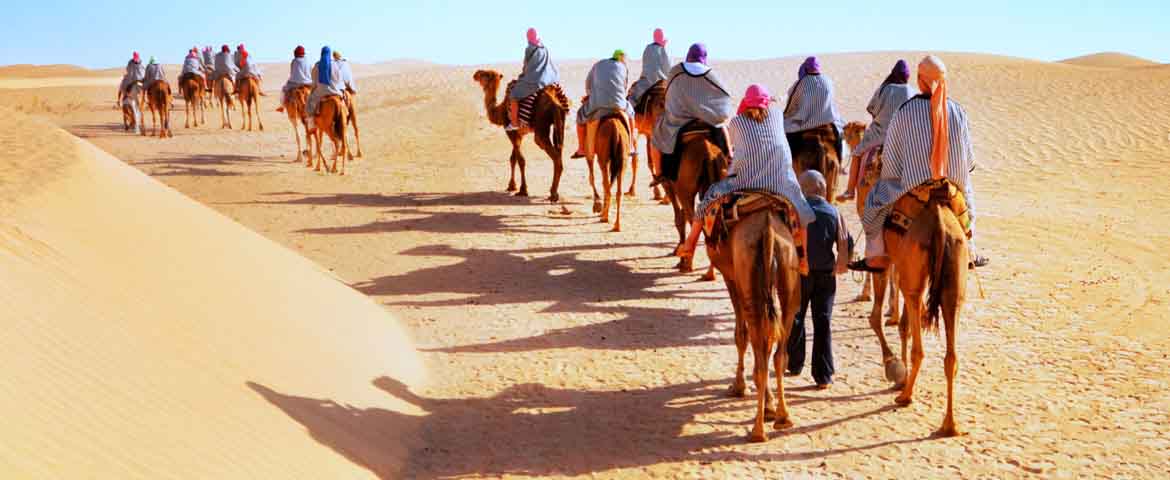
(619, 54)
(151, 62)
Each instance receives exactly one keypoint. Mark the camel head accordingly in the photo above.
(853, 131)
(488, 79)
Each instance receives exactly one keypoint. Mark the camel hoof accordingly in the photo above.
(596, 207)
(603, 219)
(631, 193)
(892, 322)
(782, 424)
(664, 201)
(511, 187)
(737, 390)
(757, 436)
(895, 370)
(617, 229)
(863, 298)
(554, 198)
(522, 193)
(903, 400)
(769, 414)
(707, 277)
(948, 431)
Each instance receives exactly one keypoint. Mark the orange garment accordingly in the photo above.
(932, 79)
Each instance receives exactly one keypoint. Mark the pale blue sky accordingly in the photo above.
(102, 34)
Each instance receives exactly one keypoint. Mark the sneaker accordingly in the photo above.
(577, 154)
(862, 266)
(979, 261)
(511, 128)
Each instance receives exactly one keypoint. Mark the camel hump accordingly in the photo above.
(557, 94)
(911, 205)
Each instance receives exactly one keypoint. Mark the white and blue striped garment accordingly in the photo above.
(762, 161)
(691, 97)
(810, 105)
(906, 161)
(655, 66)
(154, 72)
(883, 106)
(192, 65)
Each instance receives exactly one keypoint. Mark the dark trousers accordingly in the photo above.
(819, 289)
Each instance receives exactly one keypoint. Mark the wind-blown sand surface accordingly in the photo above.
(557, 348)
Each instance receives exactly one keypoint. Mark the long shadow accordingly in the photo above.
(96, 130)
(444, 222)
(399, 200)
(532, 429)
(203, 160)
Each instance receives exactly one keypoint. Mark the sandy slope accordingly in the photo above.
(559, 349)
(1109, 60)
(146, 336)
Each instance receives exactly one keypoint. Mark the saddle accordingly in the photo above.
(908, 208)
(872, 166)
(643, 104)
(527, 104)
(692, 131)
(728, 211)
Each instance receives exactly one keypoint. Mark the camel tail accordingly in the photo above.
(338, 122)
(945, 260)
(764, 283)
(618, 150)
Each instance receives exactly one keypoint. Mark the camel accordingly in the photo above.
(350, 102)
(159, 100)
(548, 125)
(192, 88)
(758, 260)
(223, 96)
(702, 163)
(931, 255)
(249, 95)
(294, 106)
(820, 154)
(655, 101)
(611, 148)
(331, 119)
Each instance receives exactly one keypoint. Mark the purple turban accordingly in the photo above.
(697, 54)
(900, 74)
(809, 67)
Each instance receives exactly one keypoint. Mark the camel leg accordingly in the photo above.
(761, 350)
(297, 135)
(739, 387)
(617, 223)
(345, 155)
(357, 135)
(593, 184)
(951, 362)
(259, 118)
(866, 287)
(606, 185)
(513, 160)
(914, 308)
(895, 370)
(320, 137)
(895, 298)
(789, 301)
(558, 169)
(686, 265)
(633, 168)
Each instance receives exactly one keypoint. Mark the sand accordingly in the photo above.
(1110, 60)
(556, 348)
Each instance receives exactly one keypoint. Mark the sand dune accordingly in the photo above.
(146, 336)
(559, 349)
(1110, 60)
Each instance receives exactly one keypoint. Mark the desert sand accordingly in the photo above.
(551, 346)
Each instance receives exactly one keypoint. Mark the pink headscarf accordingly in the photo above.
(533, 38)
(757, 96)
(659, 37)
(136, 57)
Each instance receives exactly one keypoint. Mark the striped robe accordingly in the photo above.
(655, 66)
(154, 73)
(762, 162)
(882, 106)
(691, 97)
(193, 66)
(906, 161)
(299, 73)
(811, 105)
(135, 72)
(606, 86)
(539, 72)
(207, 60)
(224, 67)
(347, 75)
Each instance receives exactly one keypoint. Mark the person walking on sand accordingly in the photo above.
(818, 289)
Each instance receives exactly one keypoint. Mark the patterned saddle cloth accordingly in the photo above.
(871, 167)
(658, 90)
(529, 103)
(728, 211)
(911, 205)
(671, 162)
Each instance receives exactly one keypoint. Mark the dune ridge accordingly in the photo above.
(147, 336)
(1110, 60)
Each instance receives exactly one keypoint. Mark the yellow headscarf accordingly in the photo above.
(932, 79)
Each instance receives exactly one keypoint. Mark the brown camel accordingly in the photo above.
(548, 125)
(294, 106)
(757, 258)
(701, 164)
(249, 95)
(330, 120)
(223, 97)
(192, 87)
(350, 103)
(931, 255)
(611, 149)
(159, 100)
(816, 151)
(655, 101)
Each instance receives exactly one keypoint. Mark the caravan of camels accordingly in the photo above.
(756, 178)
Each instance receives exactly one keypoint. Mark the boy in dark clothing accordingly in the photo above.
(819, 287)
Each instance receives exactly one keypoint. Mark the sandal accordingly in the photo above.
(846, 196)
(862, 266)
(979, 261)
(577, 155)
